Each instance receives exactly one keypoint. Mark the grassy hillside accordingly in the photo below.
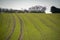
(32, 26)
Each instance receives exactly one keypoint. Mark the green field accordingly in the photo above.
(29, 26)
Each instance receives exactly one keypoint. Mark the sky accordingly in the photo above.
(25, 4)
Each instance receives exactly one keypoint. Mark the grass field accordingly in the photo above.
(29, 26)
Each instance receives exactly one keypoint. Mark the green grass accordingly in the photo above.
(34, 26)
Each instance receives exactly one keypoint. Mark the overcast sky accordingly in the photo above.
(25, 4)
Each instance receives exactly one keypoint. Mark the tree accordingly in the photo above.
(55, 10)
(37, 9)
(25, 11)
(0, 9)
(43, 9)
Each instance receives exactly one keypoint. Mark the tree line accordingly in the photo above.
(34, 9)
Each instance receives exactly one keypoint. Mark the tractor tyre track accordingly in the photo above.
(14, 23)
(21, 28)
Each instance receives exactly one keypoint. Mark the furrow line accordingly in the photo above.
(44, 22)
(37, 27)
(21, 28)
(14, 23)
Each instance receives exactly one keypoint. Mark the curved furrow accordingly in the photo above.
(28, 28)
(54, 21)
(34, 23)
(55, 30)
(12, 30)
(52, 18)
(44, 35)
(44, 22)
(8, 24)
(6, 18)
(21, 28)
(37, 27)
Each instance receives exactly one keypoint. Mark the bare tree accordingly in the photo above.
(38, 9)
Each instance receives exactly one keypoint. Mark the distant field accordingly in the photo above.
(32, 26)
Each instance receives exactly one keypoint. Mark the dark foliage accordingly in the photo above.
(55, 10)
(36, 12)
(26, 11)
